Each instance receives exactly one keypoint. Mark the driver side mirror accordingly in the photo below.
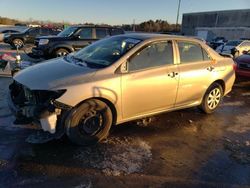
(77, 36)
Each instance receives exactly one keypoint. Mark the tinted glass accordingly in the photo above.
(157, 54)
(34, 31)
(233, 43)
(68, 31)
(116, 31)
(101, 33)
(85, 33)
(44, 31)
(190, 52)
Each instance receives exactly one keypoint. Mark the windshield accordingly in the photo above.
(105, 52)
(233, 43)
(25, 30)
(67, 32)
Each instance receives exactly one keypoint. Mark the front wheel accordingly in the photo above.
(212, 98)
(89, 123)
(17, 43)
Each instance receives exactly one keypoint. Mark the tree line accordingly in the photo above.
(147, 26)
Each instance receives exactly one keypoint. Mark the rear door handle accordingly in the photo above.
(172, 74)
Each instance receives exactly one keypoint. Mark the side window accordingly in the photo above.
(116, 31)
(101, 33)
(44, 31)
(85, 33)
(154, 55)
(191, 52)
(34, 31)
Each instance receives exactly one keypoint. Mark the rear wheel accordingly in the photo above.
(212, 98)
(61, 52)
(89, 123)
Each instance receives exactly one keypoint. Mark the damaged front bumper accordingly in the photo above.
(39, 107)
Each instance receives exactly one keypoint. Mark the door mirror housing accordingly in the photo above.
(77, 36)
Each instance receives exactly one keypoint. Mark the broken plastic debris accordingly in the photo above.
(49, 123)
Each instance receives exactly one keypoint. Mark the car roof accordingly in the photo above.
(95, 26)
(153, 36)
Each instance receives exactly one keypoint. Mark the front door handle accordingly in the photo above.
(172, 74)
(211, 68)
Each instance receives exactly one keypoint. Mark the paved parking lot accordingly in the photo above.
(179, 149)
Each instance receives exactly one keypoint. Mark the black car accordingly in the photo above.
(71, 39)
(28, 36)
(216, 42)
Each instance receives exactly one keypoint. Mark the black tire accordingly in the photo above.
(212, 98)
(17, 43)
(60, 52)
(89, 123)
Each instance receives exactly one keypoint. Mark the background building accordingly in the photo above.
(231, 24)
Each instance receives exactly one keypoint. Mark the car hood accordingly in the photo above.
(243, 59)
(54, 74)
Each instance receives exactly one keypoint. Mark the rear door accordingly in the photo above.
(101, 33)
(196, 71)
(151, 84)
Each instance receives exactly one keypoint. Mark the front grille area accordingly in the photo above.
(22, 95)
(245, 66)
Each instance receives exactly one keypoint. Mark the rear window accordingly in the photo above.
(233, 43)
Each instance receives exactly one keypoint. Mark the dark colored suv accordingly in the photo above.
(71, 39)
(28, 36)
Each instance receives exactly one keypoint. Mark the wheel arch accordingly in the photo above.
(20, 38)
(221, 83)
(68, 48)
(108, 103)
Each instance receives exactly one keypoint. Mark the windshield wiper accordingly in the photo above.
(92, 64)
(76, 60)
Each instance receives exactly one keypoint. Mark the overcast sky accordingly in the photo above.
(110, 11)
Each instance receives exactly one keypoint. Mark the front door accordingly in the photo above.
(32, 34)
(151, 84)
(85, 37)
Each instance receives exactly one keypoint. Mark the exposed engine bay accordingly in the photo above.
(36, 106)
